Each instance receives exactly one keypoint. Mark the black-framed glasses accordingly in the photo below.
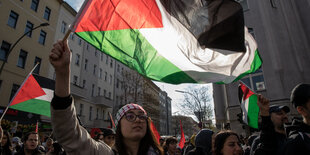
(131, 117)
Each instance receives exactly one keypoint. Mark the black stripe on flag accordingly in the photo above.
(216, 24)
(45, 82)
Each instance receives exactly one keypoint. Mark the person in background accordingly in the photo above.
(203, 143)
(56, 149)
(191, 145)
(170, 146)
(298, 132)
(109, 136)
(6, 146)
(227, 143)
(30, 147)
(48, 144)
(178, 151)
(16, 144)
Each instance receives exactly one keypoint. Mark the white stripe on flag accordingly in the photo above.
(245, 108)
(49, 95)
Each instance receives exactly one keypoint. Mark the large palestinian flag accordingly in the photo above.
(34, 96)
(173, 41)
(250, 109)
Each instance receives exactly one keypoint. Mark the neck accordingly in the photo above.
(28, 152)
(279, 130)
(132, 146)
(307, 121)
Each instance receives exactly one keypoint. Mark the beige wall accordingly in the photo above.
(11, 73)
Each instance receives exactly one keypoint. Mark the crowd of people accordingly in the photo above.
(133, 134)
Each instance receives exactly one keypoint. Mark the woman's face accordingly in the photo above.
(133, 126)
(4, 140)
(232, 146)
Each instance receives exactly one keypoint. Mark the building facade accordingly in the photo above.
(189, 125)
(281, 29)
(165, 113)
(18, 18)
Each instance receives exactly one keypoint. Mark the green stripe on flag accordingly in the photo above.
(256, 64)
(36, 106)
(253, 112)
(132, 49)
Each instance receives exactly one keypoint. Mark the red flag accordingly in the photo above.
(111, 118)
(155, 132)
(182, 140)
(37, 127)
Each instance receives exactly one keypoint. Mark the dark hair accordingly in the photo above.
(7, 146)
(25, 138)
(146, 142)
(220, 139)
(300, 94)
(168, 141)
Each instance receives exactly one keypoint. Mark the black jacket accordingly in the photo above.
(271, 142)
(36, 152)
(298, 138)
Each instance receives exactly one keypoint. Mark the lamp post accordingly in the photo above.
(19, 39)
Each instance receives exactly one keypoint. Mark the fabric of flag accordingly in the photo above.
(172, 41)
(37, 127)
(250, 109)
(182, 140)
(155, 132)
(34, 96)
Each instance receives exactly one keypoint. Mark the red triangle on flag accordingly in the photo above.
(29, 90)
(246, 91)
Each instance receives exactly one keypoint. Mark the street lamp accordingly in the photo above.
(20, 38)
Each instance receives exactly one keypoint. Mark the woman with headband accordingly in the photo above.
(133, 133)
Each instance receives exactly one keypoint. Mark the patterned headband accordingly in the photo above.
(122, 111)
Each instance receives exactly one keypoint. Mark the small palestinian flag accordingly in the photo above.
(34, 96)
(172, 41)
(250, 109)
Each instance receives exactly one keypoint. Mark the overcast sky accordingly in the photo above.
(169, 88)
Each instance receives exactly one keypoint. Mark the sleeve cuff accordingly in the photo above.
(60, 103)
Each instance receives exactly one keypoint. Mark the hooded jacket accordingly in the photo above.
(298, 142)
(203, 143)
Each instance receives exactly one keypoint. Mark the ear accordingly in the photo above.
(301, 110)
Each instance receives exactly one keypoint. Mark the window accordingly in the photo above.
(110, 79)
(85, 65)
(92, 89)
(87, 47)
(37, 69)
(77, 59)
(63, 27)
(75, 79)
(13, 19)
(97, 113)
(104, 93)
(14, 90)
(255, 81)
(4, 51)
(47, 13)
(42, 37)
(101, 56)
(107, 60)
(103, 114)
(105, 76)
(100, 73)
(22, 59)
(99, 91)
(94, 71)
(116, 99)
(109, 95)
(28, 29)
(72, 36)
(84, 83)
(117, 67)
(34, 5)
(81, 109)
(90, 112)
(117, 83)
(111, 63)
(96, 53)
(80, 41)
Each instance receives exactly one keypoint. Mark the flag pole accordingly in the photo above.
(77, 18)
(248, 87)
(111, 118)
(7, 107)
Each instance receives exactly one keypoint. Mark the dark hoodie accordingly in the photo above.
(298, 138)
(203, 143)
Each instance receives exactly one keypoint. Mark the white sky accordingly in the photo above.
(169, 88)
